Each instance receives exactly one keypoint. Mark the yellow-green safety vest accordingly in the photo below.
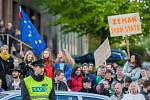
(38, 90)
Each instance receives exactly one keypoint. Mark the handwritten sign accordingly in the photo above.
(102, 53)
(125, 24)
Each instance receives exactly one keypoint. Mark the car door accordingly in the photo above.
(66, 97)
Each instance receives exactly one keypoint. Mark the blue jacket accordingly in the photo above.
(67, 70)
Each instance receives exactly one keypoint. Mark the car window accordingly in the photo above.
(16, 98)
(62, 97)
(92, 98)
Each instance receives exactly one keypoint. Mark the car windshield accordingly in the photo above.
(2, 95)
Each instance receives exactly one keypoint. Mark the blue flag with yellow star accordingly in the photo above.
(29, 34)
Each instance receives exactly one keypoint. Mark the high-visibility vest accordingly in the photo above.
(38, 90)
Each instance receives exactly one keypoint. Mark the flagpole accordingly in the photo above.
(127, 46)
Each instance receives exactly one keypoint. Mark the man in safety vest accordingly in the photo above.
(37, 86)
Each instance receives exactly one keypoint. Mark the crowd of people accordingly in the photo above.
(128, 82)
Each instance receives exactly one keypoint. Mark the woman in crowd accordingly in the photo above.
(76, 79)
(143, 74)
(132, 68)
(6, 63)
(64, 62)
(134, 93)
(26, 66)
(47, 55)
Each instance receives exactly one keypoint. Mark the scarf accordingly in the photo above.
(4, 56)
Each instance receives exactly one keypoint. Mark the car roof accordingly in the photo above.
(18, 92)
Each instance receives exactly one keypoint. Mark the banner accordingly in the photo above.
(125, 24)
(102, 53)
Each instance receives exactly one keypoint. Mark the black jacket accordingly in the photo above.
(5, 66)
(60, 86)
(26, 70)
(24, 92)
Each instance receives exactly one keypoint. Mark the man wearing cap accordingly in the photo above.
(37, 86)
(15, 84)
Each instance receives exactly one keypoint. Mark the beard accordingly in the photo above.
(15, 77)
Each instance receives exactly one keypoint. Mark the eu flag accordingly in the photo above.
(29, 34)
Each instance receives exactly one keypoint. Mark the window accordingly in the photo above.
(16, 98)
(64, 97)
(92, 98)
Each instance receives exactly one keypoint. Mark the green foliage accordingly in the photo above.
(89, 17)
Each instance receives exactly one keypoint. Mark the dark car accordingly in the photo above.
(116, 55)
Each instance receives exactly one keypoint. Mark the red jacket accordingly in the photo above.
(76, 83)
(49, 69)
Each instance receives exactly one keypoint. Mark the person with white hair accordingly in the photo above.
(134, 93)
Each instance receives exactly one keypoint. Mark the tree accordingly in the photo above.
(89, 17)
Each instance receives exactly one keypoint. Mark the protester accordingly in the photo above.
(134, 93)
(108, 87)
(108, 77)
(100, 74)
(86, 73)
(76, 79)
(16, 82)
(148, 74)
(10, 31)
(119, 76)
(6, 63)
(58, 81)
(132, 68)
(91, 68)
(87, 87)
(118, 92)
(37, 86)
(17, 44)
(101, 90)
(143, 74)
(126, 84)
(47, 55)
(16, 62)
(64, 62)
(25, 66)
(145, 89)
(115, 66)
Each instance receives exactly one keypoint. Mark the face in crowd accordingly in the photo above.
(90, 67)
(148, 74)
(85, 69)
(29, 57)
(134, 88)
(78, 71)
(60, 77)
(5, 50)
(108, 75)
(106, 84)
(119, 72)
(46, 54)
(87, 85)
(15, 74)
(143, 72)
(118, 88)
